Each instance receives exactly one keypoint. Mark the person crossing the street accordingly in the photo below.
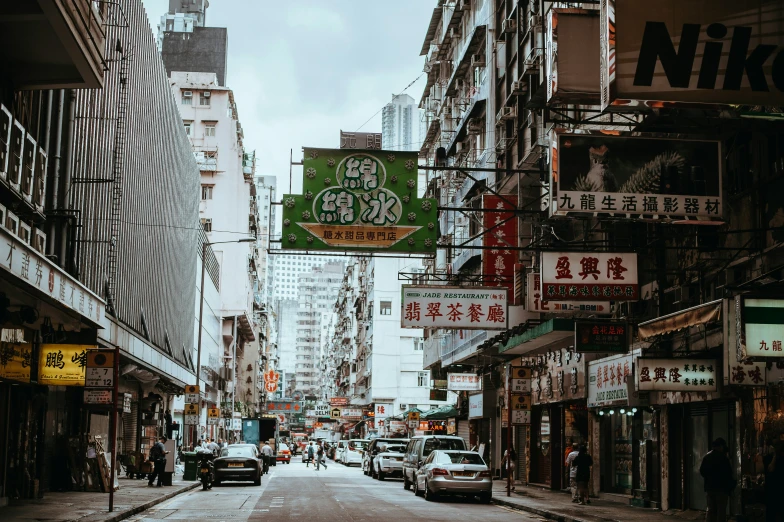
(320, 460)
(311, 453)
(266, 453)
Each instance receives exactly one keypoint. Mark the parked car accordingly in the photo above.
(388, 462)
(284, 453)
(341, 447)
(353, 451)
(372, 450)
(419, 448)
(454, 473)
(238, 462)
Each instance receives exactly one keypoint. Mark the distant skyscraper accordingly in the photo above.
(400, 124)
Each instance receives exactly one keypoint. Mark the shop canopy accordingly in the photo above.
(443, 413)
(694, 316)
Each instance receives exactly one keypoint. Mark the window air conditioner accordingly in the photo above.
(187, 94)
(477, 60)
(519, 87)
(206, 94)
(509, 25)
(506, 113)
(404, 406)
(39, 241)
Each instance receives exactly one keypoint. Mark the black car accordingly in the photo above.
(239, 462)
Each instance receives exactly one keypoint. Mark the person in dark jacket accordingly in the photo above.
(774, 482)
(716, 471)
(158, 458)
(583, 463)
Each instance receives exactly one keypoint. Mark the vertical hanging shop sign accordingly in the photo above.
(359, 201)
(500, 235)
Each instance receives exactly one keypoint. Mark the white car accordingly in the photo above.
(340, 449)
(389, 461)
(352, 451)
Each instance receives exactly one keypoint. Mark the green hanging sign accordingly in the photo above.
(359, 200)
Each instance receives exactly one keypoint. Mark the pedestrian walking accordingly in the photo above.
(266, 454)
(320, 460)
(213, 447)
(158, 458)
(311, 453)
(716, 471)
(774, 482)
(510, 460)
(583, 463)
(573, 471)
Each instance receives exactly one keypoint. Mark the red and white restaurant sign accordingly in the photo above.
(500, 237)
(535, 302)
(588, 276)
(454, 307)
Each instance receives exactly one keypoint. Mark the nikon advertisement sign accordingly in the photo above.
(700, 51)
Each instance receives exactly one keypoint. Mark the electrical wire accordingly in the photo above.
(395, 96)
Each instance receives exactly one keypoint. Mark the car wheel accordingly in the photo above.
(365, 470)
(429, 495)
(257, 482)
(406, 483)
(381, 475)
(418, 492)
(485, 498)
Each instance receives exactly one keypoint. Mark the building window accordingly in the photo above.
(386, 308)
(206, 192)
(207, 224)
(188, 126)
(423, 379)
(187, 97)
(209, 129)
(204, 99)
(418, 345)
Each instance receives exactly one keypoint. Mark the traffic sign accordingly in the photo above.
(192, 393)
(334, 413)
(521, 402)
(192, 420)
(100, 359)
(191, 409)
(99, 377)
(413, 416)
(521, 417)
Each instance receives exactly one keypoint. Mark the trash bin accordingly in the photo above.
(191, 463)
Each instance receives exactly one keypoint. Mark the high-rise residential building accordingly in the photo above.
(400, 124)
(287, 268)
(265, 195)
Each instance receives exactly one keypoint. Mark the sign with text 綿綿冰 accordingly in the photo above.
(727, 53)
(359, 200)
(589, 276)
(636, 176)
(463, 308)
(762, 322)
(696, 375)
(360, 140)
(15, 361)
(535, 303)
(62, 364)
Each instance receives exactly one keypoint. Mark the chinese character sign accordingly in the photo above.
(463, 382)
(359, 200)
(15, 361)
(500, 235)
(601, 336)
(360, 140)
(763, 327)
(62, 364)
(536, 303)
(382, 411)
(697, 375)
(584, 276)
(608, 381)
(638, 177)
(459, 308)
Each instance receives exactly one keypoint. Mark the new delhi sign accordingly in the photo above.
(359, 200)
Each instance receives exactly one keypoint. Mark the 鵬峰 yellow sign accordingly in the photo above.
(63, 364)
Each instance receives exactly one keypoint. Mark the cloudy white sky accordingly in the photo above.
(301, 70)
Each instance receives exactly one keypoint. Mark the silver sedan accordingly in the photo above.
(454, 473)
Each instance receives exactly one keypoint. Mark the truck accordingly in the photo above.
(257, 431)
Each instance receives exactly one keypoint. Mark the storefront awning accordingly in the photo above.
(540, 338)
(697, 315)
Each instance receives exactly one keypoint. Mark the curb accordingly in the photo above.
(122, 515)
(549, 515)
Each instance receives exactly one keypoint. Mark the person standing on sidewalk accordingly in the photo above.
(572, 470)
(716, 471)
(266, 454)
(510, 460)
(774, 482)
(583, 463)
(158, 458)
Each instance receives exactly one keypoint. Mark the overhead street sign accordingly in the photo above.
(334, 413)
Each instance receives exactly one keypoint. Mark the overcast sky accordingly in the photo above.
(301, 70)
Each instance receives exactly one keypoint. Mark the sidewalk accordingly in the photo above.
(133, 497)
(556, 505)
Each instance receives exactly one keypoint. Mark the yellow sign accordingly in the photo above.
(191, 409)
(359, 235)
(521, 402)
(15, 359)
(213, 412)
(413, 416)
(62, 364)
(521, 372)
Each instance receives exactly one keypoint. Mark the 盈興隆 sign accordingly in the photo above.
(579, 276)
(450, 307)
(696, 375)
(601, 336)
(359, 201)
(535, 302)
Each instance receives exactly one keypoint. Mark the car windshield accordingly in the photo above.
(442, 444)
(283, 447)
(462, 458)
(238, 451)
(355, 445)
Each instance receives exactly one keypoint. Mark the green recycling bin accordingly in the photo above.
(191, 462)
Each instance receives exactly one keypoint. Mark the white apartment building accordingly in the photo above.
(266, 187)
(228, 213)
(287, 269)
(400, 124)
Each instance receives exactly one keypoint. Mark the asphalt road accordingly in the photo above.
(338, 493)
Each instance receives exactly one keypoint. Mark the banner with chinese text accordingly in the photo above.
(63, 364)
(763, 327)
(698, 375)
(535, 303)
(738, 370)
(589, 276)
(608, 381)
(356, 200)
(637, 177)
(464, 382)
(454, 307)
(15, 360)
(500, 234)
(601, 336)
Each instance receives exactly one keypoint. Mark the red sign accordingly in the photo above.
(501, 233)
(582, 276)
(270, 386)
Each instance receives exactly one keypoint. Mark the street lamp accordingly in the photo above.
(201, 293)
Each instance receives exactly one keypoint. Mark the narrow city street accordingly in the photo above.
(297, 492)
